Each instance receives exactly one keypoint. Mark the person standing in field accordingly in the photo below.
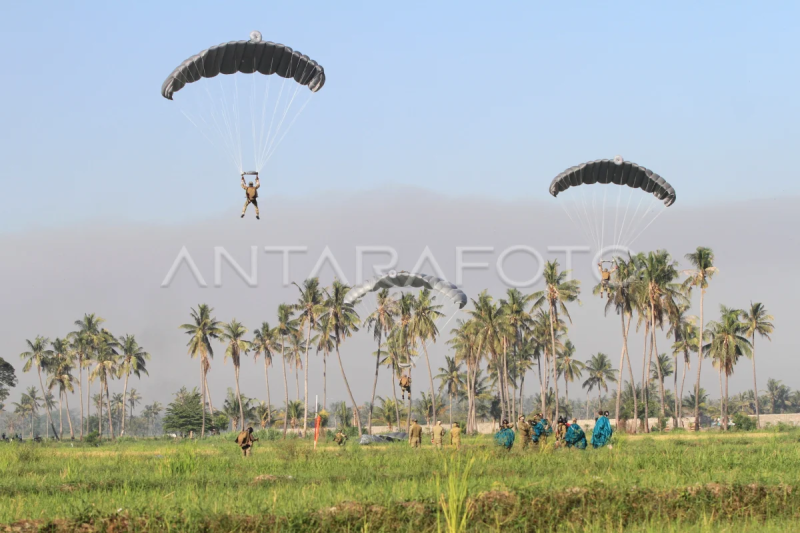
(438, 435)
(455, 436)
(245, 441)
(601, 434)
(415, 435)
(340, 438)
(524, 431)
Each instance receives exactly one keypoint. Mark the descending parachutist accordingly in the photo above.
(251, 193)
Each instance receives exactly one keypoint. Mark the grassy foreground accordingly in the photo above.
(680, 482)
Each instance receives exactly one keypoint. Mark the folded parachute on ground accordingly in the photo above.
(618, 172)
(247, 57)
(407, 279)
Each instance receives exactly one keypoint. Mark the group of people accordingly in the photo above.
(537, 430)
(437, 435)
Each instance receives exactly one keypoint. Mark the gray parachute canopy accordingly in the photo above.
(608, 171)
(406, 279)
(247, 57)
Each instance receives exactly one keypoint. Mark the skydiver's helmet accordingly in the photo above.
(250, 184)
(605, 414)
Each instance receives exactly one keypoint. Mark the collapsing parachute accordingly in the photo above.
(243, 104)
(604, 216)
(405, 279)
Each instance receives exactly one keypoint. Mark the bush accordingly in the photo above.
(92, 439)
(742, 422)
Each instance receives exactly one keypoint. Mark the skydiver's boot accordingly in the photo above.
(242, 216)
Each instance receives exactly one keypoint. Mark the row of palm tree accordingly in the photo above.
(89, 347)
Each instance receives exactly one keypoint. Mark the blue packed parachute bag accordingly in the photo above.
(504, 438)
(601, 435)
(575, 437)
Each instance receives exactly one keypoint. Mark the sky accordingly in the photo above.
(450, 118)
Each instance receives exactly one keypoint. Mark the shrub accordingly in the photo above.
(742, 422)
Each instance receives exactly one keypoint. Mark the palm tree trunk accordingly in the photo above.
(269, 402)
(124, 401)
(553, 353)
(108, 408)
(374, 384)
(430, 379)
(69, 417)
(676, 410)
(699, 366)
(726, 401)
(356, 414)
(451, 410)
(645, 380)
(60, 416)
(683, 381)
(203, 397)
(238, 394)
(541, 383)
(100, 412)
(285, 388)
(755, 383)
(621, 363)
(522, 393)
(394, 395)
(208, 390)
(721, 400)
(654, 347)
(88, 400)
(46, 406)
(296, 378)
(588, 414)
(305, 381)
(80, 388)
(325, 378)
(633, 382)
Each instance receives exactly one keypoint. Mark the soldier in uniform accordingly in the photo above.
(251, 195)
(455, 436)
(524, 431)
(340, 438)
(415, 435)
(405, 386)
(245, 441)
(561, 430)
(438, 435)
(605, 277)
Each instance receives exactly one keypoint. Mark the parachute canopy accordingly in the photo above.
(247, 57)
(246, 113)
(610, 218)
(617, 172)
(406, 279)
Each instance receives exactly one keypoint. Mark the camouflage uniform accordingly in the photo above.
(415, 435)
(340, 438)
(405, 386)
(524, 431)
(251, 195)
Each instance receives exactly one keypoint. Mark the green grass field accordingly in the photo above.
(679, 482)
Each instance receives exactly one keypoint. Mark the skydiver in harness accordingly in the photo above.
(605, 277)
(251, 193)
(405, 386)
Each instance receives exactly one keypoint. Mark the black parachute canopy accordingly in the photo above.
(247, 57)
(607, 171)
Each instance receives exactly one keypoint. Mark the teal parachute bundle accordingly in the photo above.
(504, 438)
(575, 437)
(601, 434)
(542, 428)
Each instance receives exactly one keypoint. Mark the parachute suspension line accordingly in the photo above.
(574, 222)
(582, 226)
(603, 229)
(589, 219)
(289, 127)
(236, 147)
(658, 214)
(270, 149)
(637, 229)
(616, 217)
(237, 115)
(263, 122)
(272, 122)
(623, 230)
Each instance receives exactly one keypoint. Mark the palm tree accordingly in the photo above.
(621, 299)
(310, 308)
(682, 327)
(60, 374)
(293, 412)
(134, 398)
(758, 321)
(387, 412)
(693, 402)
(265, 341)
(344, 322)
(490, 328)
(661, 369)
(560, 290)
(81, 343)
(423, 326)
(600, 373)
(28, 405)
(394, 353)
(325, 345)
(727, 342)
(38, 355)
(703, 261)
(381, 323)
(658, 272)
(568, 366)
(516, 310)
(203, 328)
(405, 310)
(777, 391)
(233, 333)
(133, 361)
(106, 360)
(286, 328)
(451, 378)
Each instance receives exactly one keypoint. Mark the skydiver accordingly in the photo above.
(251, 194)
(605, 277)
(405, 386)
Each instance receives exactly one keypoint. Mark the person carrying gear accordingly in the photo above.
(601, 434)
(561, 430)
(415, 434)
(524, 431)
(505, 437)
(405, 386)
(340, 438)
(245, 441)
(541, 430)
(575, 436)
(251, 195)
(438, 435)
(605, 278)
(455, 436)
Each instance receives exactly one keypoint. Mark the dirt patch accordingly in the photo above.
(268, 478)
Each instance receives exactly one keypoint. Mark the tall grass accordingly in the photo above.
(456, 505)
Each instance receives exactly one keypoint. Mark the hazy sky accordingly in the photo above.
(441, 125)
